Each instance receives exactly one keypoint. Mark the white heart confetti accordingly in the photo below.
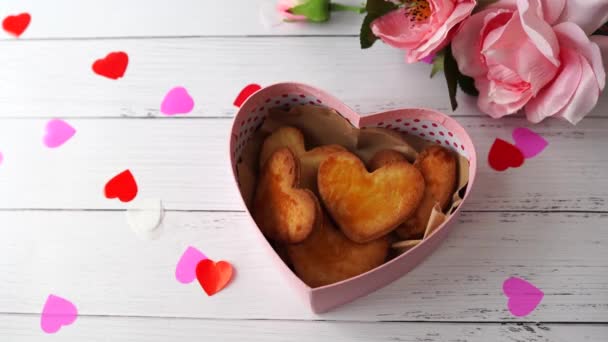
(145, 218)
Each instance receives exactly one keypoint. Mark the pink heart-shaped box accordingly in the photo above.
(428, 124)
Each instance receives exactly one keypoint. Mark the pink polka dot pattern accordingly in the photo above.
(424, 129)
(427, 130)
(254, 119)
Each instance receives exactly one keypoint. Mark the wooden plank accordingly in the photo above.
(25, 328)
(94, 260)
(50, 78)
(185, 163)
(162, 18)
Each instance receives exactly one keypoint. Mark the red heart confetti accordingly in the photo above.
(213, 276)
(112, 66)
(504, 155)
(16, 24)
(245, 93)
(122, 186)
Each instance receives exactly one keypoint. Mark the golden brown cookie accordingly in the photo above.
(385, 157)
(438, 167)
(293, 139)
(309, 165)
(286, 136)
(282, 211)
(367, 205)
(327, 256)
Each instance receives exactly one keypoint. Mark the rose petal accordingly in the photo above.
(585, 98)
(602, 42)
(466, 45)
(573, 37)
(539, 31)
(489, 92)
(396, 30)
(555, 96)
(552, 9)
(588, 14)
(439, 37)
(509, 46)
(283, 7)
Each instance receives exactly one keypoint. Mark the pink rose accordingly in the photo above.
(523, 55)
(283, 7)
(422, 27)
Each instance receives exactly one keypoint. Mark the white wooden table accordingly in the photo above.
(546, 222)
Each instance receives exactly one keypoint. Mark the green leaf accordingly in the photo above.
(366, 36)
(336, 7)
(375, 9)
(467, 84)
(315, 10)
(437, 64)
(450, 69)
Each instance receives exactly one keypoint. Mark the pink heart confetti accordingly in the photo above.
(1, 158)
(523, 296)
(177, 101)
(57, 133)
(185, 271)
(528, 142)
(56, 313)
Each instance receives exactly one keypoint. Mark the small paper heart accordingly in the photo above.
(528, 142)
(245, 93)
(16, 24)
(121, 186)
(112, 66)
(185, 271)
(177, 101)
(213, 276)
(523, 296)
(57, 133)
(145, 218)
(56, 313)
(504, 155)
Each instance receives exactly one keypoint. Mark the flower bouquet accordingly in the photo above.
(542, 57)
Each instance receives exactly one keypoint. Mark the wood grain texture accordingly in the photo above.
(93, 259)
(545, 222)
(25, 328)
(50, 79)
(140, 18)
(185, 163)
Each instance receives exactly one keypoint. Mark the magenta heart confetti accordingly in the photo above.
(185, 271)
(523, 296)
(528, 142)
(57, 133)
(56, 313)
(177, 101)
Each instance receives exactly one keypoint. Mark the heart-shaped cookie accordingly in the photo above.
(327, 256)
(309, 161)
(284, 212)
(438, 167)
(367, 205)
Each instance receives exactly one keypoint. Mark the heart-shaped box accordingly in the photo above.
(424, 123)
